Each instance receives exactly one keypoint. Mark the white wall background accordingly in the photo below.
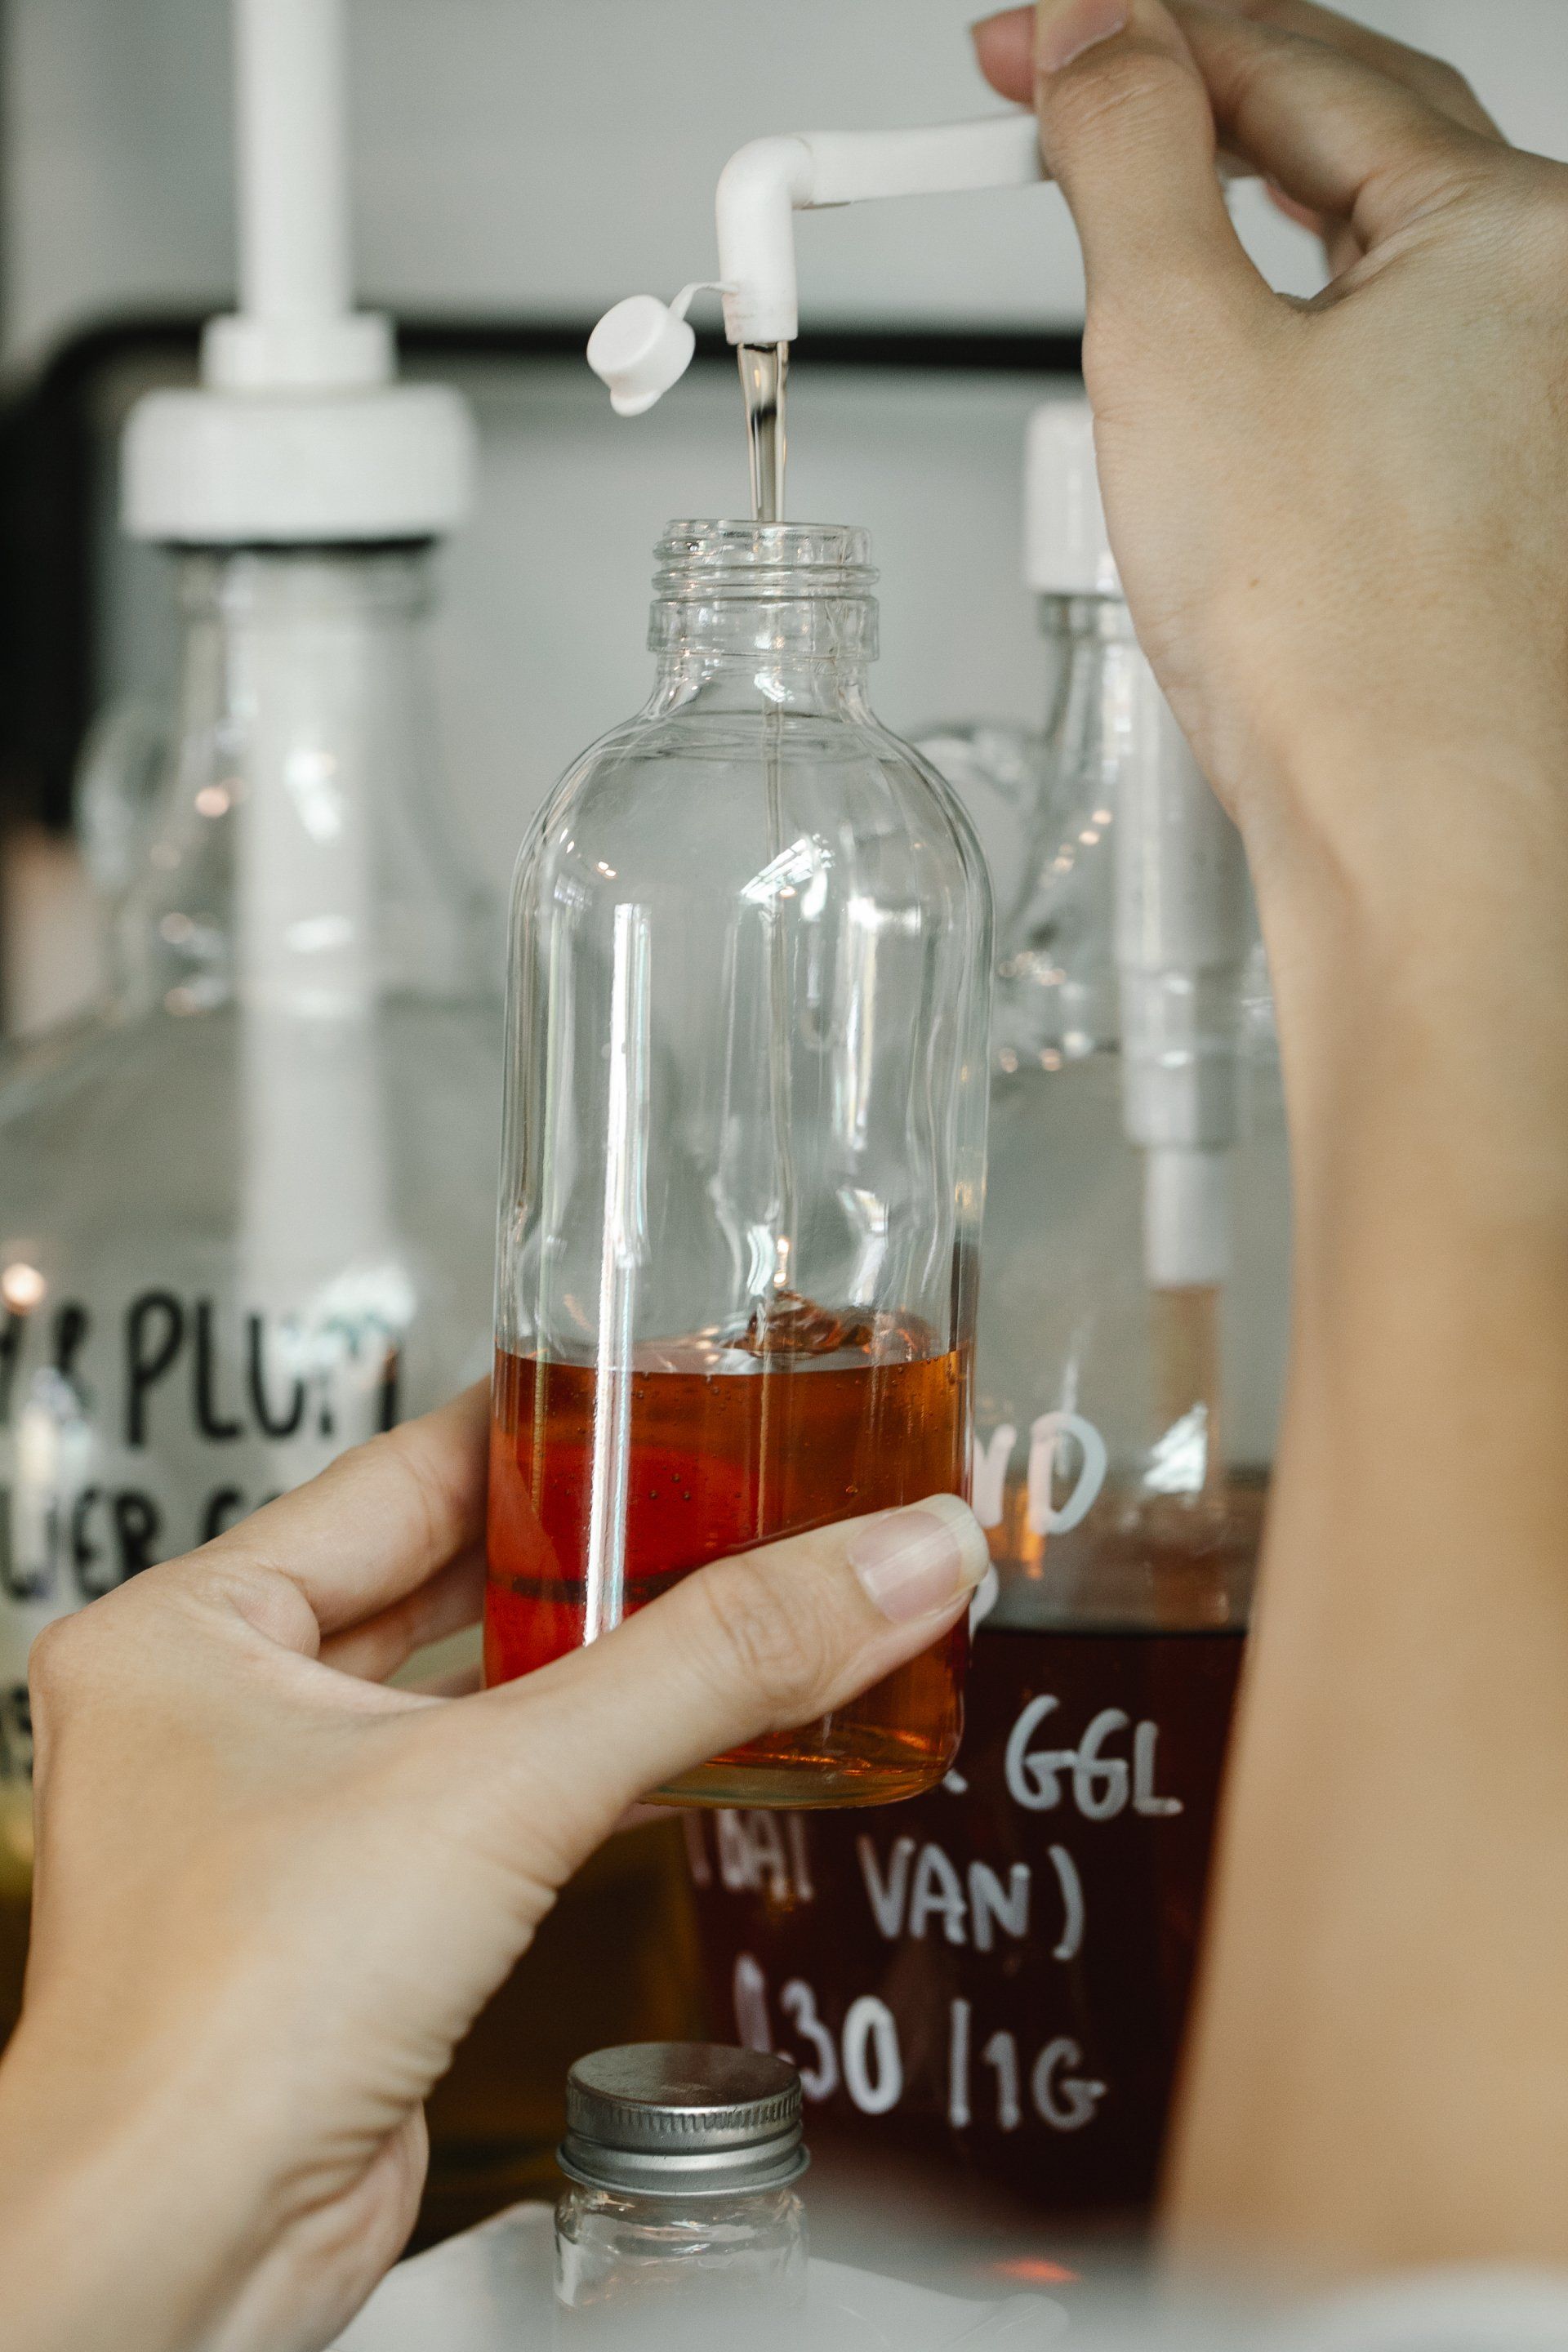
(552, 154)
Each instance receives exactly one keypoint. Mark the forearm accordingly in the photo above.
(1380, 2068)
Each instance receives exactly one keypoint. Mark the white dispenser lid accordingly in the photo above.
(1067, 550)
(214, 468)
(300, 431)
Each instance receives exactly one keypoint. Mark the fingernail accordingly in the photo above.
(1065, 29)
(913, 1562)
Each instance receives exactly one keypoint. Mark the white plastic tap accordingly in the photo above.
(299, 431)
(642, 346)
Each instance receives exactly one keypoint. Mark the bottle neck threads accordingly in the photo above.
(769, 597)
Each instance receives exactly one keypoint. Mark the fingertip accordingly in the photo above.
(1004, 51)
(1127, 130)
(974, 1550)
(1066, 30)
(915, 1562)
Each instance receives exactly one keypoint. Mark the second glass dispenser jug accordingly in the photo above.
(992, 1981)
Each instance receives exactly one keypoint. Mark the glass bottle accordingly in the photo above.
(992, 1981)
(744, 1142)
(680, 2223)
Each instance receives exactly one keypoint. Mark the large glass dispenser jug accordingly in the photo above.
(247, 1207)
(744, 1142)
(243, 1203)
(992, 1980)
(245, 1215)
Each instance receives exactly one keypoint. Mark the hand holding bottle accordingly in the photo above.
(272, 1893)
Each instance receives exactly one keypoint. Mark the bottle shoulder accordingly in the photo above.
(746, 741)
(703, 803)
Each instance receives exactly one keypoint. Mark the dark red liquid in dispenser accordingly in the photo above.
(994, 1980)
(720, 1460)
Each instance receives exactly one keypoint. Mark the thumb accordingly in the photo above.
(1127, 130)
(765, 1641)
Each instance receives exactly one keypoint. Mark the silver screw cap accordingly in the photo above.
(682, 2119)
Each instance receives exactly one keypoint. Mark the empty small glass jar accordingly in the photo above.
(682, 2223)
(744, 1151)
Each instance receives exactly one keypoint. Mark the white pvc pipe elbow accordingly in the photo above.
(763, 184)
(760, 189)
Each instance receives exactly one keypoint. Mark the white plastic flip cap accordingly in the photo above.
(299, 431)
(642, 347)
(1067, 548)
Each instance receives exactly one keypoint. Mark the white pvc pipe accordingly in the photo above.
(1181, 937)
(765, 184)
(289, 100)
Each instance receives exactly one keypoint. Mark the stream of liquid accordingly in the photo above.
(765, 370)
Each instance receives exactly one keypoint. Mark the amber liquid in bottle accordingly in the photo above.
(832, 1418)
